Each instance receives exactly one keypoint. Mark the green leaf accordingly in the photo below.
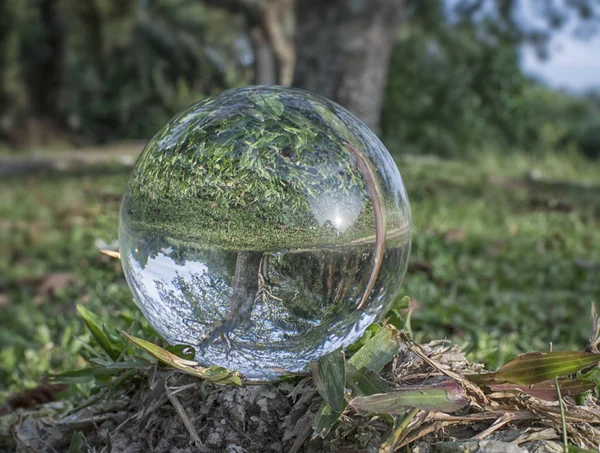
(325, 419)
(329, 375)
(547, 390)
(396, 318)
(365, 382)
(76, 442)
(535, 367)
(447, 396)
(114, 338)
(592, 375)
(377, 352)
(372, 330)
(401, 303)
(222, 376)
(218, 375)
(98, 330)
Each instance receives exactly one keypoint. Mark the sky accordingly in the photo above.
(573, 65)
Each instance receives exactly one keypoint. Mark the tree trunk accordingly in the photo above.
(277, 19)
(271, 30)
(245, 280)
(265, 69)
(343, 49)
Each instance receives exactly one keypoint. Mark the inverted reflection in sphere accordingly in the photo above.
(264, 227)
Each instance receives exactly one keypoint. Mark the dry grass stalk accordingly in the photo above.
(112, 253)
(184, 417)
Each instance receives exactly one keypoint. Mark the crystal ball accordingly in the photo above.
(264, 227)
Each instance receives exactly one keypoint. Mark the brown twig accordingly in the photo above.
(184, 417)
(499, 423)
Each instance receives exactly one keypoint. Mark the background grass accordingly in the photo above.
(502, 262)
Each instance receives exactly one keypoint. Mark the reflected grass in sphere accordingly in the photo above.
(265, 228)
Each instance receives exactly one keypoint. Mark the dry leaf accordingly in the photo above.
(455, 235)
(4, 299)
(51, 284)
(43, 393)
(112, 253)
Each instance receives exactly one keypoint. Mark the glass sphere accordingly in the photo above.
(265, 227)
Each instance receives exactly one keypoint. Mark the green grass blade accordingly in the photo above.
(377, 352)
(217, 375)
(395, 317)
(447, 396)
(129, 364)
(365, 382)
(98, 330)
(325, 420)
(76, 442)
(329, 375)
(82, 376)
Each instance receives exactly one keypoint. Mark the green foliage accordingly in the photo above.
(325, 420)
(593, 376)
(456, 86)
(515, 276)
(115, 359)
(257, 172)
(546, 390)
(448, 91)
(121, 68)
(76, 442)
(377, 351)
(332, 374)
(329, 376)
(107, 336)
(521, 276)
(134, 64)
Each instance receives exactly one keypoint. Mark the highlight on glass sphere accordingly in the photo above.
(265, 227)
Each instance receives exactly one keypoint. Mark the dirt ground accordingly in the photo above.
(161, 410)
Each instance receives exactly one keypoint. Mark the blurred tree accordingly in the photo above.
(13, 95)
(134, 64)
(108, 69)
(455, 82)
(270, 28)
(449, 89)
